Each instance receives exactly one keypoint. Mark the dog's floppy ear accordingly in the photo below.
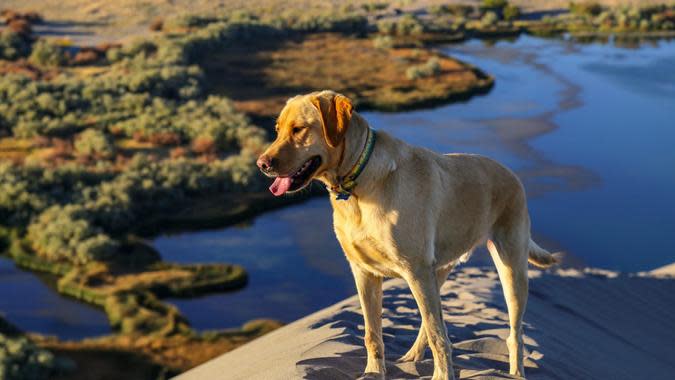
(336, 113)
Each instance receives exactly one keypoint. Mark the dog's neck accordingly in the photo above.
(354, 144)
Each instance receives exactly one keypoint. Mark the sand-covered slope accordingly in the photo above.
(664, 272)
(578, 325)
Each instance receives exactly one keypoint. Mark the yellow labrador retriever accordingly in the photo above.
(404, 211)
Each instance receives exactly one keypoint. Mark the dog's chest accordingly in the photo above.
(366, 236)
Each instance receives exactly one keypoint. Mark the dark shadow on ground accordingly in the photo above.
(479, 351)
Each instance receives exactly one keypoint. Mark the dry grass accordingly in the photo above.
(15, 144)
(113, 283)
(133, 144)
(15, 149)
(58, 151)
(27, 69)
(261, 80)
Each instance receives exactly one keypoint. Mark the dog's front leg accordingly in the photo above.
(369, 288)
(422, 283)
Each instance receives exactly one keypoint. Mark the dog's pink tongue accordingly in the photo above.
(281, 185)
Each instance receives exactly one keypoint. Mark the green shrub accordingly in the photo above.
(45, 53)
(307, 22)
(586, 8)
(22, 359)
(26, 191)
(489, 19)
(604, 18)
(383, 42)
(461, 10)
(634, 12)
(511, 12)
(65, 234)
(439, 9)
(19, 197)
(494, 4)
(94, 143)
(187, 21)
(142, 313)
(622, 20)
(114, 54)
(13, 45)
(645, 25)
(215, 118)
(405, 25)
(62, 106)
(375, 6)
(428, 69)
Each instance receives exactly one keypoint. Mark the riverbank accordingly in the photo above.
(374, 77)
(148, 357)
(134, 357)
(579, 324)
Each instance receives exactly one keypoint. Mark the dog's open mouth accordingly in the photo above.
(296, 181)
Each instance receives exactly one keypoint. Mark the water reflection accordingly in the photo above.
(291, 255)
(34, 306)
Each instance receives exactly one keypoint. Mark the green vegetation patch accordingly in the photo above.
(103, 149)
(142, 313)
(592, 18)
(21, 359)
(13, 45)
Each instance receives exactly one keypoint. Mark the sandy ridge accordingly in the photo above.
(590, 324)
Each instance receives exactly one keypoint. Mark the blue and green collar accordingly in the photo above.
(346, 184)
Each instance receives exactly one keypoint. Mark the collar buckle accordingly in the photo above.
(343, 196)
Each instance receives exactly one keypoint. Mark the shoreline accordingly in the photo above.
(568, 316)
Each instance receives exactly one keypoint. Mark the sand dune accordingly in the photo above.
(665, 271)
(591, 324)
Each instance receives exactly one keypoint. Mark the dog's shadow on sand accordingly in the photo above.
(476, 322)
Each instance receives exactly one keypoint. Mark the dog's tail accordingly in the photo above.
(539, 257)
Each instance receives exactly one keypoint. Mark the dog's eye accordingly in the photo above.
(297, 130)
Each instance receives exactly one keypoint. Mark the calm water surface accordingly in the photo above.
(33, 305)
(589, 128)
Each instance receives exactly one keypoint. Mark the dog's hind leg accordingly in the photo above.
(416, 351)
(509, 251)
(422, 283)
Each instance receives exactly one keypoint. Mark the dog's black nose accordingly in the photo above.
(265, 163)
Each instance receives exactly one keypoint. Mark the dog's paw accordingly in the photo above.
(372, 376)
(411, 356)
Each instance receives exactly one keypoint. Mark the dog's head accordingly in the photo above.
(310, 130)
